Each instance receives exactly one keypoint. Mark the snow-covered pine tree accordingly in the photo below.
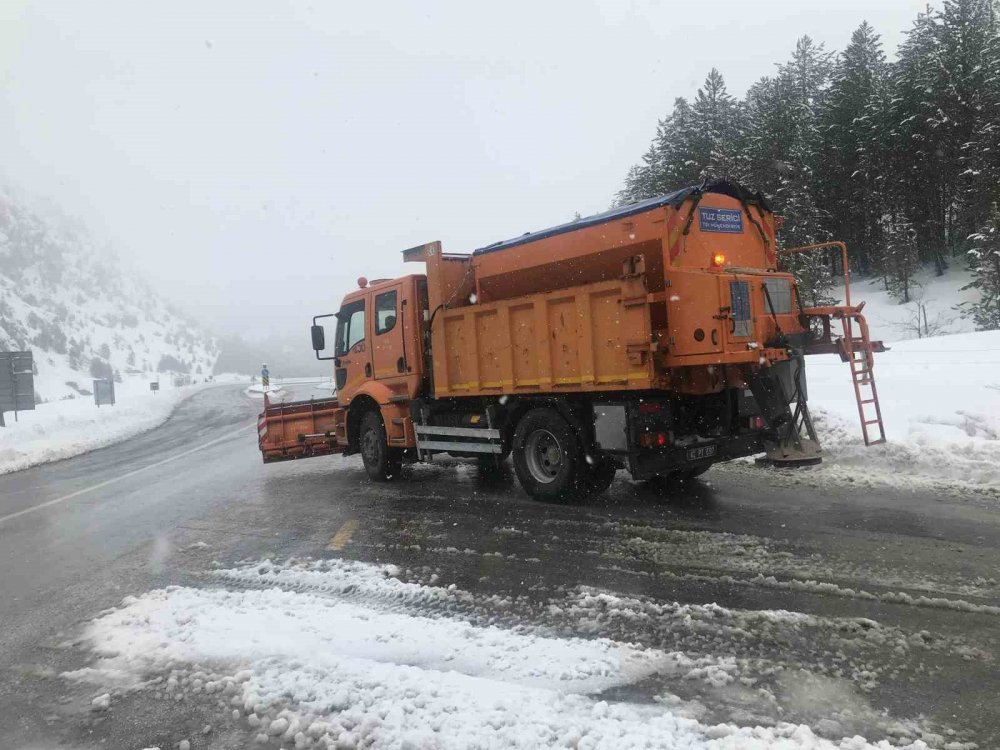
(802, 88)
(666, 165)
(637, 182)
(984, 262)
(768, 130)
(947, 101)
(675, 145)
(849, 181)
(901, 256)
(967, 94)
(715, 116)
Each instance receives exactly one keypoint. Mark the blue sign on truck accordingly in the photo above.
(726, 220)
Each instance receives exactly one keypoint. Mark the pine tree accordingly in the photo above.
(768, 131)
(677, 161)
(984, 262)
(801, 89)
(715, 119)
(901, 256)
(947, 102)
(968, 98)
(849, 182)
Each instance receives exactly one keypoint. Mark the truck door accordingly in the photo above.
(388, 354)
(353, 364)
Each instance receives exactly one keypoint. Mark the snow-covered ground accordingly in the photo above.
(62, 429)
(256, 389)
(325, 654)
(940, 400)
(293, 389)
(940, 396)
(890, 320)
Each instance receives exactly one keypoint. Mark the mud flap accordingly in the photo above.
(775, 389)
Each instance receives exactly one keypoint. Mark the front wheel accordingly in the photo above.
(381, 462)
(546, 455)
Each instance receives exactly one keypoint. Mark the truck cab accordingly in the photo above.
(378, 344)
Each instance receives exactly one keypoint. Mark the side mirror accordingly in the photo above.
(318, 338)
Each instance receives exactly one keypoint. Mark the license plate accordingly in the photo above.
(697, 454)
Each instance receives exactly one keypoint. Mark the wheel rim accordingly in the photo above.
(544, 456)
(369, 447)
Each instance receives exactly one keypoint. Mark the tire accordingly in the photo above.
(547, 456)
(381, 462)
(598, 476)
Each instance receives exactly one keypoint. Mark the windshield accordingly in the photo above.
(350, 326)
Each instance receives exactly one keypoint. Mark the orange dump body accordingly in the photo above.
(629, 300)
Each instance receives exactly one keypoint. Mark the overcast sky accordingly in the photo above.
(254, 158)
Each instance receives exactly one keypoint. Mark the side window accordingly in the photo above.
(350, 326)
(385, 312)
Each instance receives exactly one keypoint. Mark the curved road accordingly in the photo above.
(855, 610)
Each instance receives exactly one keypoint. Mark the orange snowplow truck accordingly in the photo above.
(659, 337)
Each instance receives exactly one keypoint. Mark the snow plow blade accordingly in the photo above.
(301, 429)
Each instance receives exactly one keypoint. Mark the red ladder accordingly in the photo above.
(858, 352)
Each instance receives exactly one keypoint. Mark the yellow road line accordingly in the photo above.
(343, 536)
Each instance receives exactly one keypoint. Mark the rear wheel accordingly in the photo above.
(546, 455)
(381, 462)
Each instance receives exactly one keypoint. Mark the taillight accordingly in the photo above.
(654, 440)
(647, 407)
(757, 423)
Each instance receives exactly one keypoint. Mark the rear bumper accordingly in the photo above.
(647, 465)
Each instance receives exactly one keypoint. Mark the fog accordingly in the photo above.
(252, 159)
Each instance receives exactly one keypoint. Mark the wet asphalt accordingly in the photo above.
(895, 594)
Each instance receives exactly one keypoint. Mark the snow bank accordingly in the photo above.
(318, 671)
(62, 429)
(940, 401)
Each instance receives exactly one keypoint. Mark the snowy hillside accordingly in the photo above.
(67, 298)
(889, 320)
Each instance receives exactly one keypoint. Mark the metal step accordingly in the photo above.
(432, 438)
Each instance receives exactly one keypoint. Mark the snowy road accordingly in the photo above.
(449, 609)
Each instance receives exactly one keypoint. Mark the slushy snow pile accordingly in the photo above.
(940, 396)
(62, 429)
(940, 400)
(318, 668)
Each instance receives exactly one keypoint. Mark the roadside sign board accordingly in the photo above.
(155, 385)
(17, 383)
(104, 392)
